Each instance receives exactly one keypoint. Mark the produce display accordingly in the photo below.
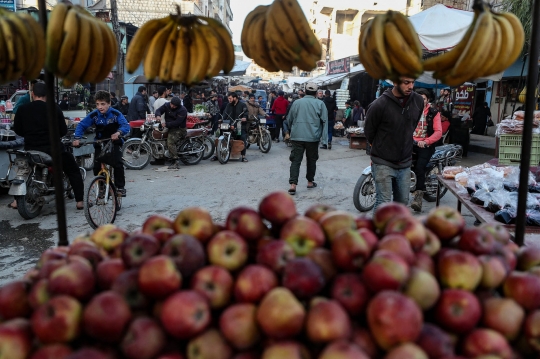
(22, 46)
(278, 37)
(180, 48)
(514, 124)
(80, 47)
(271, 283)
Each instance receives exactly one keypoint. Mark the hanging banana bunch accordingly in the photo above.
(183, 49)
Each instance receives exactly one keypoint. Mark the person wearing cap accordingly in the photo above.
(123, 105)
(213, 108)
(173, 116)
(138, 107)
(280, 109)
(308, 122)
(390, 123)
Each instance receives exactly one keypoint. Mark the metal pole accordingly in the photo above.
(54, 139)
(530, 105)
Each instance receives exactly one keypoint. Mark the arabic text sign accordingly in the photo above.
(464, 99)
(10, 4)
(341, 66)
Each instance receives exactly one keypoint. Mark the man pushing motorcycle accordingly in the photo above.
(173, 116)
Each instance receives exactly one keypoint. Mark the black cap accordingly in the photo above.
(176, 101)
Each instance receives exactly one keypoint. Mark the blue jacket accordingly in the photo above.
(106, 124)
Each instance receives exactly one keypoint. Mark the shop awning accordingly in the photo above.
(239, 68)
(515, 69)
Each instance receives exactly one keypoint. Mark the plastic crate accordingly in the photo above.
(510, 150)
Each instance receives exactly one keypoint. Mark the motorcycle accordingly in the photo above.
(258, 134)
(137, 152)
(33, 184)
(227, 129)
(447, 155)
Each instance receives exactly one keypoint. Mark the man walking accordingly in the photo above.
(280, 109)
(308, 122)
(390, 123)
(331, 106)
(137, 106)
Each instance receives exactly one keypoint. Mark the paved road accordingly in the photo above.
(219, 188)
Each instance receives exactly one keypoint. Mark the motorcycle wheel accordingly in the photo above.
(430, 194)
(86, 161)
(223, 152)
(209, 147)
(265, 143)
(364, 193)
(191, 159)
(135, 155)
(27, 207)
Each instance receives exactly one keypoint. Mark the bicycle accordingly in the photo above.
(102, 200)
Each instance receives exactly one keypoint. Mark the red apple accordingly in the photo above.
(185, 314)
(275, 255)
(253, 282)
(280, 315)
(335, 222)
(531, 329)
(493, 271)
(90, 252)
(215, 284)
(74, 279)
(246, 222)
(277, 208)
(503, 315)
(238, 323)
(285, 349)
(350, 250)
(524, 288)
(138, 248)
(155, 222)
(303, 277)
(15, 339)
(509, 255)
(163, 234)
(106, 316)
(327, 321)
(406, 350)
(486, 342)
(409, 227)
(109, 237)
(195, 221)
(498, 231)
(350, 292)
(393, 319)
(89, 353)
(228, 250)
(316, 211)
(303, 234)
(342, 349)
(385, 270)
(369, 236)
(388, 211)
(432, 245)
(14, 300)
(477, 241)
(425, 262)
(365, 341)
(158, 277)
(58, 320)
(365, 222)
(144, 339)
(187, 253)
(52, 351)
(50, 266)
(209, 344)
(39, 293)
(323, 258)
(398, 244)
(459, 269)
(458, 310)
(423, 288)
(445, 222)
(127, 285)
(107, 271)
(528, 257)
(50, 254)
(435, 342)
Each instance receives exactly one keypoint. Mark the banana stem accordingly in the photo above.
(479, 5)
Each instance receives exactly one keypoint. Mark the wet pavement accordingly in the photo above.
(216, 187)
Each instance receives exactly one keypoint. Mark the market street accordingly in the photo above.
(216, 187)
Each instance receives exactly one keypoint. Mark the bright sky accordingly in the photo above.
(241, 8)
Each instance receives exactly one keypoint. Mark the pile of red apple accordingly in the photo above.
(273, 284)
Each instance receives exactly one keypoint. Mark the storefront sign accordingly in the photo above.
(341, 66)
(464, 100)
(10, 4)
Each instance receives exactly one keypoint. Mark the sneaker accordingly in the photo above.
(329, 146)
(121, 192)
(324, 147)
(416, 204)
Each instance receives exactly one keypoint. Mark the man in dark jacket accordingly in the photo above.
(237, 109)
(331, 106)
(123, 105)
(173, 116)
(138, 107)
(390, 123)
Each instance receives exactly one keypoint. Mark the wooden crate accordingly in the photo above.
(357, 142)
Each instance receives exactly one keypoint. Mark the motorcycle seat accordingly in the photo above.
(41, 158)
(194, 132)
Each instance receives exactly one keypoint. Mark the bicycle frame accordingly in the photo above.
(105, 172)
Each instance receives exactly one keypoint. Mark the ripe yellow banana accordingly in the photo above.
(519, 37)
(495, 52)
(507, 45)
(198, 56)
(110, 46)
(303, 30)
(70, 42)
(216, 59)
(246, 28)
(375, 70)
(3, 54)
(83, 52)
(167, 58)
(181, 56)
(258, 44)
(152, 59)
(55, 34)
(7, 42)
(38, 52)
(20, 61)
(27, 42)
(407, 31)
(97, 54)
(284, 26)
(375, 44)
(279, 52)
(227, 47)
(412, 63)
(141, 40)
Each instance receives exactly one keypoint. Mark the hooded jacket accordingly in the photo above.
(280, 105)
(174, 118)
(389, 129)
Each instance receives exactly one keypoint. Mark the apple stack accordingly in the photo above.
(273, 284)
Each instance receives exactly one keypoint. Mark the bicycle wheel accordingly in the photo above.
(99, 210)
(136, 156)
(430, 194)
(209, 147)
(364, 193)
(197, 149)
(223, 151)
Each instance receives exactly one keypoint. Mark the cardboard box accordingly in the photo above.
(357, 142)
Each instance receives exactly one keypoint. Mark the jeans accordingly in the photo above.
(331, 124)
(297, 154)
(72, 172)
(279, 126)
(423, 155)
(214, 121)
(243, 137)
(389, 180)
